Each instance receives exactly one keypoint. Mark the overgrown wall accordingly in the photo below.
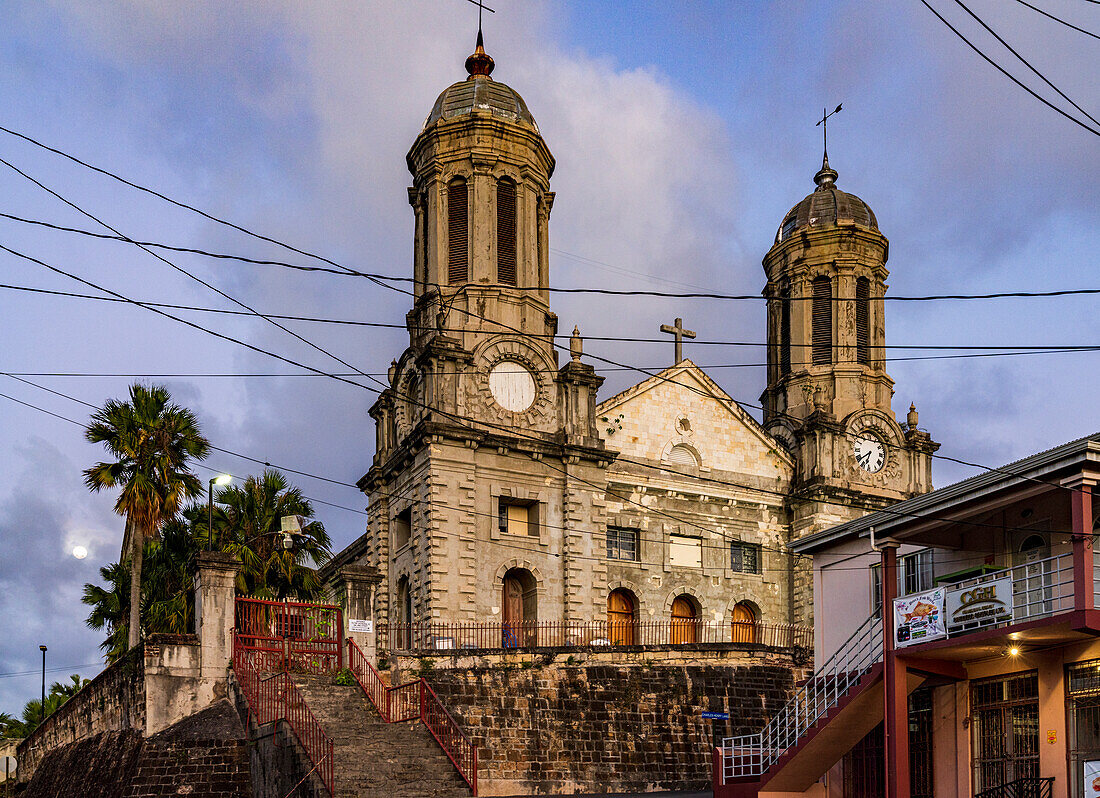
(575, 723)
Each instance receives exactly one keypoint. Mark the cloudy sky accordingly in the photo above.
(683, 133)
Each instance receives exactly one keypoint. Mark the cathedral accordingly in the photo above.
(503, 490)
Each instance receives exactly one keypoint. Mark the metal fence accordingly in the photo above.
(525, 635)
(288, 635)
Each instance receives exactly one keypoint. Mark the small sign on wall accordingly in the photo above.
(1052, 736)
(360, 625)
(716, 715)
(919, 618)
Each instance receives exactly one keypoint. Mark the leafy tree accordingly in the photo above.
(247, 523)
(109, 608)
(152, 441)
(60, 692)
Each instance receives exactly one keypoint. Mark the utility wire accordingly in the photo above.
(1008, 75)
(1024, 61)
(345, 271)
(560, 336)
(1059, 19)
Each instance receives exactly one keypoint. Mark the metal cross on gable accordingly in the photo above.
(823, 122)
(678, 333)
(480, 7)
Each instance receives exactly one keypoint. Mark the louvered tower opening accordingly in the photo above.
(506, 232)
(458, 232)
(863, 320)
(822, 321)
(785, 332)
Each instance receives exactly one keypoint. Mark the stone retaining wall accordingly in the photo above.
(591, 723)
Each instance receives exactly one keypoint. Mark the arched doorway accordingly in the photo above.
(621, 621)
(519, 603)
(743, 624)
(685, 620)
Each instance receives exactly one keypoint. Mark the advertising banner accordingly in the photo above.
(919, 618)
(1091, 787)
(974, 607)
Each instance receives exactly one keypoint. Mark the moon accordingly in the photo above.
(80, 552)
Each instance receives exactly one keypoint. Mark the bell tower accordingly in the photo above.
(828, 397)
(488, 463)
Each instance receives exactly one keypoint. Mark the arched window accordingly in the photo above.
(621, 620)
(863, 320)
(785, 332)
(685, 620)
(506, 232)
(458, 231)
(519, 600)
(681, 454)
(743, 623)
(822, 321)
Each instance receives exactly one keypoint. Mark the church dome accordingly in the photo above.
(826, 205)
(479, 92)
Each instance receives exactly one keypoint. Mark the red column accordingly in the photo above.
(1081, 511)
(895, 694)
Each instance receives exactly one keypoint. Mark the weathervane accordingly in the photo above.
(826, 177)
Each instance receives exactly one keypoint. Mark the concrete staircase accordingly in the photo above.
(374, 759)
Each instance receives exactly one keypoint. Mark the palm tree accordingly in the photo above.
(109, 608)
(247, 523)
(152, 441)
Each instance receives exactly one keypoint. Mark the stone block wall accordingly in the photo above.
(113, 701)
(592, 723)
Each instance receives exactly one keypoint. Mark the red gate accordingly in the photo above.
(290, 636)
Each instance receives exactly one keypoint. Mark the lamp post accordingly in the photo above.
(219, 480)
(42, 712)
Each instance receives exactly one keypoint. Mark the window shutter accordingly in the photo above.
(506, 232)
(863, 320)
(458, 232)
(822, 321)
(785, 332)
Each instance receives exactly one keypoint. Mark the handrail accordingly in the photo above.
(416, 700)
(268, 704)
(753, 754)
(1026, 787)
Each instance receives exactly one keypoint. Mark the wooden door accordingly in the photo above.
(683, 621)
(513, 612)
(743, 624)
(620, 619)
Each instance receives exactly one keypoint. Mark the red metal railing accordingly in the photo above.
(276, 697)
(416, 700)
(437, 636)
(287, 635)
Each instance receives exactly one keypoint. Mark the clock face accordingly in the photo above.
(870, 453)
(512, 386)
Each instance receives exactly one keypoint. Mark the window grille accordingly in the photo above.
(622, 544)
(822, 312)
(506, 232)
(745, 557)
(458, 232)
(863, 320)
(1005, 729)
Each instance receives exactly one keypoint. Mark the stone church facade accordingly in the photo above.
(502, 491)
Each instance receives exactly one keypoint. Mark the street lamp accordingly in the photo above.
(42, 711)
(219, 480)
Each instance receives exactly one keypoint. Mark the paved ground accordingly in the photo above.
(706, 794)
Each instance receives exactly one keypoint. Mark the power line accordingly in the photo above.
(1024, 61)
(344, 271)
(1059, 19)
(1008, 75)
(612, 338)
(59, 668)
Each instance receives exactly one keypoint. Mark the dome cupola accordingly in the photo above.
(826, 205)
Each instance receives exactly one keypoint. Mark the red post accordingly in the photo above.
(340, 648)
(1081, 513)
(895, 694)
(475, 770)
(422, 700)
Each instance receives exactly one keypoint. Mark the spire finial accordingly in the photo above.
(826, 178)
(480, 64)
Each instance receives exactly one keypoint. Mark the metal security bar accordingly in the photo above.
(287, 635)
(753, 754)
(523, 635)
(1032, 787)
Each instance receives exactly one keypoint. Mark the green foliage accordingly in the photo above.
(59, 693)
(344, 677)
(151, 442)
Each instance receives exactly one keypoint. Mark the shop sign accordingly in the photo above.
(976, 606)
(919, 618)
